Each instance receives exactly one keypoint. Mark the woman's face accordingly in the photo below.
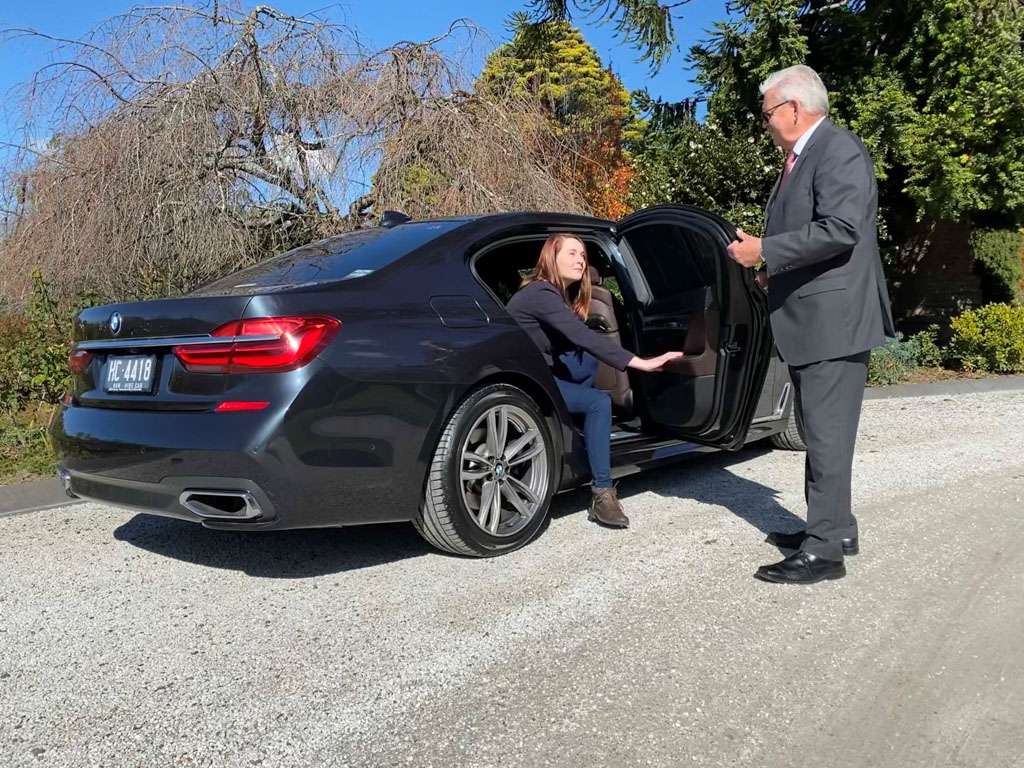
(571, 260)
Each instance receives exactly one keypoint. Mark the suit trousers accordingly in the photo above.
(828, 403)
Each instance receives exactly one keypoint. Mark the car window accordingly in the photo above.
(504, 267)
(343, 257)
(674, 259)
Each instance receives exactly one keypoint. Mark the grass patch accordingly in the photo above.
(25, 450)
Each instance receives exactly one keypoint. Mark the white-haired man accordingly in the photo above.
(828, 304)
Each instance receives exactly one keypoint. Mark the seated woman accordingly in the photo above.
(551, 306)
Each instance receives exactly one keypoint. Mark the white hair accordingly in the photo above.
(799, 83)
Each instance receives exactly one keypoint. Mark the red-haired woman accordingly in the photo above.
(551, 306)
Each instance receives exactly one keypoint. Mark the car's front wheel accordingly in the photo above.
(492, 476)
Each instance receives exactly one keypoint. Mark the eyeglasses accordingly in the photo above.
(766, 115)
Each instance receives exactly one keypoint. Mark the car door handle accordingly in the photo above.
(666, 325)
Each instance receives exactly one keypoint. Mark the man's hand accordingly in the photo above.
(746, 250)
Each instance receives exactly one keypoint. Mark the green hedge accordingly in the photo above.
(34, 353)
(997, 257)
(990, 339)
(33, 376)
(33, 367)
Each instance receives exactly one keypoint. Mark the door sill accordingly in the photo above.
(623, 430)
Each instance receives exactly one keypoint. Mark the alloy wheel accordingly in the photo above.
(503, 470)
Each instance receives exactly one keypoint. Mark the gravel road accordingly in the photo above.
(130, 640)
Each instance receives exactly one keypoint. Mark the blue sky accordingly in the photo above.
(378, 23)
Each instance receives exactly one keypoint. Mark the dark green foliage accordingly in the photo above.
(929, 354)
(739, 55)
(34, 352)
(646, 24)
(33, 375)
(726, 163)
(997, 257)
(24, 444)
(890, 364)
(895, 361)
(931, 86)
(680, 160)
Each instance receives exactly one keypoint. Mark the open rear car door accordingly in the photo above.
(689, 295)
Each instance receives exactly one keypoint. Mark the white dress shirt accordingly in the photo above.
(802, 141)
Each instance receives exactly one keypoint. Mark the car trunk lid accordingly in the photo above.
(125, 352)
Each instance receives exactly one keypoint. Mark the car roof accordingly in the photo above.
(526, 217)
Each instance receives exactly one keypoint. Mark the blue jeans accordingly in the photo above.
(574, 375)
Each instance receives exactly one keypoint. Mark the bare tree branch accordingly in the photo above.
(185, 142)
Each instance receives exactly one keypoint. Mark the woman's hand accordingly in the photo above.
(653, 363)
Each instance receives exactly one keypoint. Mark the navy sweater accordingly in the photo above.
(542, 312)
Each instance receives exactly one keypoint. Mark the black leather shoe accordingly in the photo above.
(801, 568)
(851, 546)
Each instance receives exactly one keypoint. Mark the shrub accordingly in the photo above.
(990, 338)
(25, 449)
(891, 363)
(895, 361)
(33, 352)
(929, 354)
(997, 257)
(33, 375)
(33, 368)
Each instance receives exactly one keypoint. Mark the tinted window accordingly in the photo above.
(503, 268)
(342, 257)
(674, 259)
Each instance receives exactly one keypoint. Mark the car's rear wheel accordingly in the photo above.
(789, 439)
(492, 476)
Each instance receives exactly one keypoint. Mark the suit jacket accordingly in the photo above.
(826, 288)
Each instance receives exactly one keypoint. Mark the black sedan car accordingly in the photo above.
(376, 377)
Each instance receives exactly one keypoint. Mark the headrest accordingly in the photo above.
(595, 276)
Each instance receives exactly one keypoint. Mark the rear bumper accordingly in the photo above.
(169, 498)
(313, 470)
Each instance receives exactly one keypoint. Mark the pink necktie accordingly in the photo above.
(790, 162)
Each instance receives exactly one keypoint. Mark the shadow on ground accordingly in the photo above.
(275, 554)
(303, 554)
(708, 479)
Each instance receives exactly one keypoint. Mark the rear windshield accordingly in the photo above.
(342, 257)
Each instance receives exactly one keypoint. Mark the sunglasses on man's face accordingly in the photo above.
(766, 114)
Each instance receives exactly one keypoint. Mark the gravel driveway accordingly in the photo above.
(130, 640)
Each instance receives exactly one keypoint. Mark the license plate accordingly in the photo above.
(131, 373)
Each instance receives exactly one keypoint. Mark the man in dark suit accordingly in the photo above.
(828, 303)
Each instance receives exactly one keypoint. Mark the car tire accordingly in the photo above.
(789, 439)
(499, 444)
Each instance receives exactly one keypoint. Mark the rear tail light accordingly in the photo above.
(78, 361)
(235, 406)
(261, 345)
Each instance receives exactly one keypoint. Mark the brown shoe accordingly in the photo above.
(606, 509)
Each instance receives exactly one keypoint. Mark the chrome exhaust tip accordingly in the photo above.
(230, 505)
